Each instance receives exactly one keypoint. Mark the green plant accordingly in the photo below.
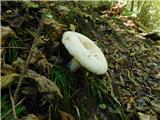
(6, 108)
(62, 80)
(100, 89)
(12, 51)
(127, 12)
(71, 15)
(29, 4)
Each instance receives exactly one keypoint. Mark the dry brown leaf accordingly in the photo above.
(52, 35)
(150, 116)
(72, 27)
(37, 55)
(143, 116)
(29, 90)
(44, 84)
(62, 10)
(156, 91)
(18, 64)
(41, 40)
(66, 116)
(8, 80)
(7, 69)
(13, 20)
(117, 9)
(6, 32)
(44, 66)
(30, 117)
(155, 107)
(41, 61)
(49, 21)
(53, 23)
(56, 28)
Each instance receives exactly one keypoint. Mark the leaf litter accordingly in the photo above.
(130, 89)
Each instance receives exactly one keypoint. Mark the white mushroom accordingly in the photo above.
(85, 53)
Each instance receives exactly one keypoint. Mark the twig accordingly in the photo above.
(75, 92)
(24, 40)
(49, 116)
(13, 106)
(95, 117)
(27, 62)
(15, 47)
(78, 113)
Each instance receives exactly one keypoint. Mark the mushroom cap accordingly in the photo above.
(85, 51)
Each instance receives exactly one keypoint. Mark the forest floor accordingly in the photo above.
(36, 83)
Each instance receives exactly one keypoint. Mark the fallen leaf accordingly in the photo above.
(18, 64)
(40, 60)
(7, 69)
(155, 107)
(143, 116)
(29, 90)
(156, 91)
(56, 29)
(44, 66)
(49, 21)
(37, 55)
(44, 84)
(62, 10)
(6, 31)
(14, 20)
(30, 117)
(8, 80)
(66, 116)
(41, 40)
(72, 27)
(47, 86)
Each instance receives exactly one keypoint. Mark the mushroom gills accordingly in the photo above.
(74, 65)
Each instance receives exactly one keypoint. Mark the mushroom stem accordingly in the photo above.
(74, 65)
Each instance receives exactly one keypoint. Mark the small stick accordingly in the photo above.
(27, 62)
(49, 116)
(13, 105)
(29, 39)
(11, 109)
(15, 47)
(78, 113)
